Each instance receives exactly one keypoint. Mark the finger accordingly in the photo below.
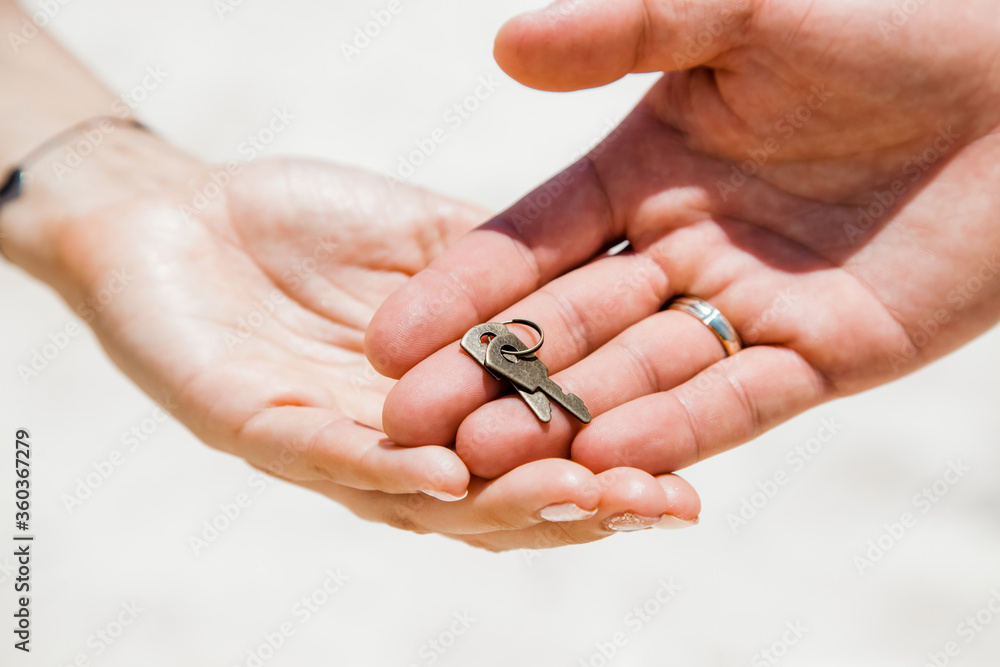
(657, 354)
(294, 225)
(315, 196)
(495, 518)
(311, 444)
(579, 312)
(727, 404)
(631, 501)
(516, 501)
(558, 227)
(683, 502)
(575, 44)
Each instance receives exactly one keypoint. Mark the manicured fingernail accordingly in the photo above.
(670, 522)
(565, 512)
(627, 522)
(446, 497)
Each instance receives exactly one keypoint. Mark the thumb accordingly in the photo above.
(575, 44)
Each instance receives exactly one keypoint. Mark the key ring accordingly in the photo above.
(529, 376)
(531, 325)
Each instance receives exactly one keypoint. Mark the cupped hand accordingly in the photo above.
(239, 296)
(824, 173)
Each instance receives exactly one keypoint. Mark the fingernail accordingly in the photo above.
(565, 512)
(446, 497)
(628, 522)
(670, 522)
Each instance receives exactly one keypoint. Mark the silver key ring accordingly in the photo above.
(531, 325)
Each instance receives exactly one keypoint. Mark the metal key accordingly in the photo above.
(530, 374)
(473, 345)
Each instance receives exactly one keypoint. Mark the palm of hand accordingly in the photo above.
(830, 227)
(801, 180)
(245, 314)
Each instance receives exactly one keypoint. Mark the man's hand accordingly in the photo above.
(823, 173)
(239, 299)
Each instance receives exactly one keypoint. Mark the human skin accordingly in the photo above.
(824, 173)
(244, 313)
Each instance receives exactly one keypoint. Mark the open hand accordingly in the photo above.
(824, 173)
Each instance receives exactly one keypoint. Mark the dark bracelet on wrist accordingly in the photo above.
(13, 181)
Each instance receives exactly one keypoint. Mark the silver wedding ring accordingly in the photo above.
(712, 318)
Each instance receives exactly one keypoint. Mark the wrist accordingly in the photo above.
(78, 196)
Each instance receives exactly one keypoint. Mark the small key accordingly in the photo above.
(530, 374)
(472, 341)
(473, 345)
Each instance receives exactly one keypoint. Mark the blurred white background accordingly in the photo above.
(229, 64)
